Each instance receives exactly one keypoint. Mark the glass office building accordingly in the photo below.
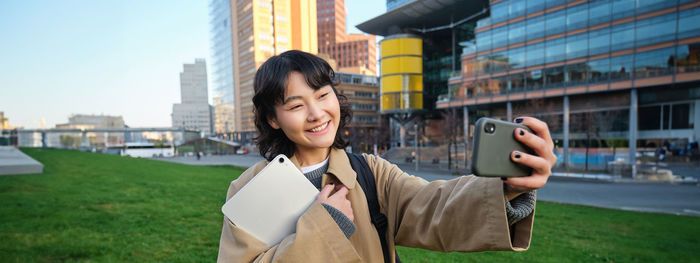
(221, 65)
(620, 71)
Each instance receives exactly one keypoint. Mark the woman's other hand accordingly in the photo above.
(540, 141)
(338, 200)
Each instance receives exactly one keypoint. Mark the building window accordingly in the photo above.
(599, 41)
(499, 11)
(556, 22)
(577, 17)
(555, 50)
(516, 32)
(499, 61)
(651, 5)
(654, 63)
(535, 27)
(623, 36)
(516, 82)
(656, 29)
(576, 46)
(622, 8)
(554, 77)
(516, 58)
(499, 37)
(553, 3)
(599, 70)
(516, 9)
(534, 6)
(688, 58)
(576, 74)
(534, 54)
(598, 12)
(620, 67)
(535, 81)
(688, 23)
(683, 116)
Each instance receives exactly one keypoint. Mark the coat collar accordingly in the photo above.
(339, 166)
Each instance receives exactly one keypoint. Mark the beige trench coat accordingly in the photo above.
(463, 214)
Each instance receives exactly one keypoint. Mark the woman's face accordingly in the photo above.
(308, 117)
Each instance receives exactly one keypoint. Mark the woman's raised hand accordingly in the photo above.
(540, 141)
(338, 200)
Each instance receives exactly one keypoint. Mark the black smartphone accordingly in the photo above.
(494, 140)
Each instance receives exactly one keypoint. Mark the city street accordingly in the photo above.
(640, 197)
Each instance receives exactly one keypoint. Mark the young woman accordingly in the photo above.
(298, 113)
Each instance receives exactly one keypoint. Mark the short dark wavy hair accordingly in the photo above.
(271, 82)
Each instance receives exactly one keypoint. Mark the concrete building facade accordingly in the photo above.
(354, 53)
(365, 127)
(194, 111)
(258, 30)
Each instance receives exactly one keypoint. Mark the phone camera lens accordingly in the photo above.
(490, 128)
(281, 160)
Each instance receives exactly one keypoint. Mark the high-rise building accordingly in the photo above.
(259, 30)
(354, 53)
(221, 66)
(331, 24)
(621, 75)
(194, 111)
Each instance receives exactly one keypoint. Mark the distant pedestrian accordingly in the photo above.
(198, 156)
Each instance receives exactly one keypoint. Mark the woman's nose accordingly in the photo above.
(315, 113)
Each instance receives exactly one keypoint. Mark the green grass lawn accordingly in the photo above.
(104, 208)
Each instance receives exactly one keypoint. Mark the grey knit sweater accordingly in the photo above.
(516, 209)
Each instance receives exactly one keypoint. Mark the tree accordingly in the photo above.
(449, 117)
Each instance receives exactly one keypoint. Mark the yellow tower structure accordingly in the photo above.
(401, 88)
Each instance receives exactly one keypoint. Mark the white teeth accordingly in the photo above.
(319, 128)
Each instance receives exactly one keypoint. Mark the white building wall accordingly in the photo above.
(194, 111)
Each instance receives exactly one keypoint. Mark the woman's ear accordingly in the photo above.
(273, 122)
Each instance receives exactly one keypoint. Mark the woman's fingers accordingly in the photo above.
(540, 172)
(540, 141)
(341, 193)
(538, 164)
(534, 142)
(325, 192)
(537, 126)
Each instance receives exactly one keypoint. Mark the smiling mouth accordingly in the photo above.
(320, 127)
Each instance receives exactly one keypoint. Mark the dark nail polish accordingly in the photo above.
(522, 133)
(519, 120)
(517, 156)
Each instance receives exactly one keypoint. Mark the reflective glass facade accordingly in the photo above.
(536, 44)
(221, 65)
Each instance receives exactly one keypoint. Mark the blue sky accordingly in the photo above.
(106, 57)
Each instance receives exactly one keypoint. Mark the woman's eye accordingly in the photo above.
(323, 95)
(295, 107)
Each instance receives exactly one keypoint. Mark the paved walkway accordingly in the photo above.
(590, 190)
(13, 161)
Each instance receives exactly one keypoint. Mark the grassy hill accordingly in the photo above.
(104, 208)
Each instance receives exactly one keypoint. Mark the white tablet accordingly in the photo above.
(269, 206)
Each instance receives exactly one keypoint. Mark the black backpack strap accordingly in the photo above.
(366, 179)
